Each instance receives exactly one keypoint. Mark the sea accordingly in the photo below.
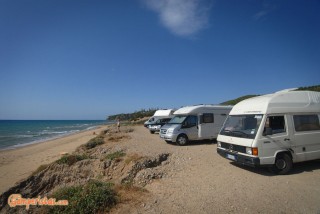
(18, 133)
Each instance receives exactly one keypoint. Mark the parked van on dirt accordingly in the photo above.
(159, 114)
(274, 130)
(158, 124)
(198, 122)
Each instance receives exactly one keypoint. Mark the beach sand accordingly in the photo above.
(19, 163)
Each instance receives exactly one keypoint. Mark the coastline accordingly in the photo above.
(20, 162)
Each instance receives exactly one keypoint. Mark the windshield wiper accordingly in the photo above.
(236, 131)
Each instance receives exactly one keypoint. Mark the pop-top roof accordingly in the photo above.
(280, 102)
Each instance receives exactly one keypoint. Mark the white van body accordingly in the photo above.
(159, 114)
(198, 122)
(273, 130)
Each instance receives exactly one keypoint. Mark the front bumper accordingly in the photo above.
(169, 137)
(239, 158)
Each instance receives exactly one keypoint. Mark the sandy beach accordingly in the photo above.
(191, 179)
(19, 163)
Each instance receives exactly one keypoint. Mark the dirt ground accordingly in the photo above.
(197, 180)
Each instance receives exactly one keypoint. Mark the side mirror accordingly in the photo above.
(268, 131)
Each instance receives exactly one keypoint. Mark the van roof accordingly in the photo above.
(201, 109)
(163, 112)
(280, 102)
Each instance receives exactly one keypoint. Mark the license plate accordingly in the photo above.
(231, 157)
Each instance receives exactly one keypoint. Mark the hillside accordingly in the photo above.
(237, 100)
(148, 113)
(310, 88)
(133, 116)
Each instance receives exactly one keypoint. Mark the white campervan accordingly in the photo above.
(273, 130)
(159, 114)
(198, 122)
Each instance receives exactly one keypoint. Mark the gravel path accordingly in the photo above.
(198, 180)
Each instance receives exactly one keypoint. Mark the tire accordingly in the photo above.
(182, 140)
(283, 164)
(152, 132)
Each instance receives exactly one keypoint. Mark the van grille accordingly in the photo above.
(233, 147)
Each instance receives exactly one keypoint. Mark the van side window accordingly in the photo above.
(306, 122)
(191, 121)
(207, 118)
(276, 123)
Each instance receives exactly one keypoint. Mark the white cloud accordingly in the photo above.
(181, 17)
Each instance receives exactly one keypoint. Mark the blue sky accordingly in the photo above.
(86, 59)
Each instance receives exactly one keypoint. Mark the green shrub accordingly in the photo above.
(95, 142)
(115, 155)
(94, 197)
(71, 159)
(40, 168)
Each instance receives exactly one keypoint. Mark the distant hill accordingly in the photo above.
(148, 113)
(310, 88)
(133, 116)
(237, 100)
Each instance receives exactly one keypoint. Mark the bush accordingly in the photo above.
(94, 197)
(95, 142)
(40, 168)
(71, 159)
(115, 155)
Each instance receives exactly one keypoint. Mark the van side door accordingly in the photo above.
(190, 127)
(306, 136)
(276, 138)
(206, 126)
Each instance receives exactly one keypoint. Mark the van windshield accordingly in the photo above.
(244, 126)
(177, 119)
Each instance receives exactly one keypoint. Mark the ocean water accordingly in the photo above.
(17, 133)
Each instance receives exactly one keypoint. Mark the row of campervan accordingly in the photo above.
(274, 130)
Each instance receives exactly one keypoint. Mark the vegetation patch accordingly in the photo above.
(40, 168)
(133, 116)
(117, 138)
(94, 197)
(71, 159)
(116, 155)
(94, 142)
(237, 100)
(133, 158)
(310, 88)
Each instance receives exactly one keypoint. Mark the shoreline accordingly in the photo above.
(18, 163)
(18, 146)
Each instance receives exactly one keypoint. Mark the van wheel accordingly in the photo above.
(152, 132)
(182, 140)
(282, 165)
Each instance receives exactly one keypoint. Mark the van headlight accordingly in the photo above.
(219, 144)
(249, 150)
(170, 131)
(252, 151)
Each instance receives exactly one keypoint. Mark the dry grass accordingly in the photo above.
(40, 168)
(133, 158)
(131, 194)
(118, 137)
